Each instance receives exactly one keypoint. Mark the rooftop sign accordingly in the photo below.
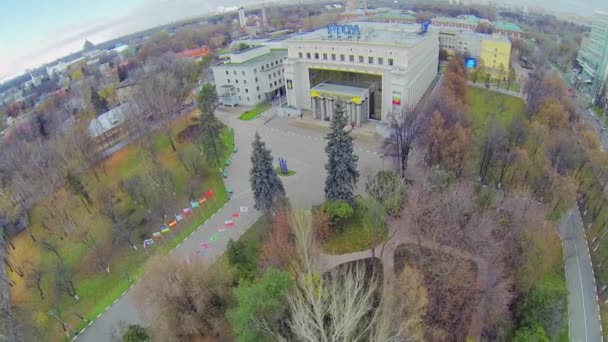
(343, 30)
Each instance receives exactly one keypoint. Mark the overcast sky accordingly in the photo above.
(34, 32)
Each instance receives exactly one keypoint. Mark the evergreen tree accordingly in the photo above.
(342, 174)
(87, 45)
(267, 187)
(77, 188)
(210, 126)
(100, 105)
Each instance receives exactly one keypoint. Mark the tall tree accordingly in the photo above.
(342, 173)
(99, 104)
(405, 128)
(78, 189)
(210, 126)
(268, 189)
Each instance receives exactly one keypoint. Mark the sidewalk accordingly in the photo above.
(494, 89)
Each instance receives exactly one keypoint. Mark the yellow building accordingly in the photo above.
(496, 53)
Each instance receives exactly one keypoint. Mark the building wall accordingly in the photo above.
(254, 81)
(496, 53)
(593, 57)
(408, 71)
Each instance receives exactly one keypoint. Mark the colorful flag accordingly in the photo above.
(202, 200)
(221, 230)
(236, 215)
(179, 218)
(244, 209)
(213, 238)
(172, 224)
(194, 204)
(148, 242)
(165, 229)
(229, 224)
(205, 245)
(209, 194)
(156, 235)
(187, 212)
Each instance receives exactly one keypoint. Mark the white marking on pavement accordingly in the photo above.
(580, 275)
(90, 323)
(99, 315)
(179, 244)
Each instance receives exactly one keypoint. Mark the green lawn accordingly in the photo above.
(354, 235)
(486, 104)
(280, 173)
(598, 111)
(95, 287)
(255, 112)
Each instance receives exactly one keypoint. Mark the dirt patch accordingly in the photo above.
(451, 283)
(190, 134)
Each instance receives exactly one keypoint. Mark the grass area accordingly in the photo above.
(96, 288)
(280, 173)
(485, 105)
(598, 111)
(355, 235)
(255, 112)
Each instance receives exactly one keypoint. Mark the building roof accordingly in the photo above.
(273, 55)
(337, 89)
(195, 53)
(108, 120)
(373, 33)
(502, 25)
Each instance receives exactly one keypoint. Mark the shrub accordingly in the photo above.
(337, 211)
(243, 257)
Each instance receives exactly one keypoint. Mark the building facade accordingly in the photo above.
(374, 68)
(496, 52)
(250, 76)
(493, 50)
(593, 56)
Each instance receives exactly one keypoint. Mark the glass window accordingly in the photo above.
(228, 80)
(256, 80)
(390, 61)
(300, 55)
(308, 55)
(227, 73)
(259, 97)
(258, 88)
(237, 81)
(245, 81)
(247, 98)
(238, 90)
(342, 58)
(351, 58)
(269, 76)
(361, 59)
(333, 56)
(316, 55)
(370, 60)
(255, 71)
(380, 60)
(246, 90)
(243, 72)
(325, 56)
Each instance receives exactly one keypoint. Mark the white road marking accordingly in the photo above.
(580, 275)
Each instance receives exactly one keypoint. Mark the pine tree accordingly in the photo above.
(77, 188)
(100, 105)
(342, 174)
(267, 188)
(210, 126)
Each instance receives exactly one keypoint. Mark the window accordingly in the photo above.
(390, 61)
(333, 56)
(256, 80)
(316, 55)
(227, 73)
(300, 55)
(238, 90)
(228, 80)
(351, 58)
(325, 56)
(235, 72)
(248, 99)
(237, 81)
(308, 55)
(342, 58)
(370, 60)
(269, 76)
(255, 71)
(245, 81)
(274, 74)
(246, 90)
(259, 97)
(240, 99)
(275, 83)
(267, 66)
(258, 88)
(361, 59)
(380, 60)
(243, 72)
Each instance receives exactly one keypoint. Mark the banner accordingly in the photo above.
(187, 211)
(172, 224)
(156, 235)
(194, 204)
(165, 229)
(236, 215)
(179, 218)
(229, 224)
(148, 242)
(209, 194)
(202, 200)
(396, 98)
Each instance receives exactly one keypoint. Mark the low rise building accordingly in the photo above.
(493, 51)
(107, 129)
(256, 75)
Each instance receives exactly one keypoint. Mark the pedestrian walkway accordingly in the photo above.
(497, 90)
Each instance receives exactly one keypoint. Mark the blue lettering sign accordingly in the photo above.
(343, 30)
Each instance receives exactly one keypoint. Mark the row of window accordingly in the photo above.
(276, 74)
(255, 71)
(351, 58)
(270, 86)
(248, 99)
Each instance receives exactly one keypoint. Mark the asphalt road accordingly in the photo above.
(304, 151)
(583, 307)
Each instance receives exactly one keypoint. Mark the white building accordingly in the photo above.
(375, 70)
(250, 76)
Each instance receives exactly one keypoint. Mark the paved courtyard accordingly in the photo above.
(304, 151)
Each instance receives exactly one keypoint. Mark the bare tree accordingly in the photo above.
(404, 130)
(65, 280)
(136, 188)
(107, 205)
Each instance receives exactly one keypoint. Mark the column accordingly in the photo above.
(323, 111)
(358, 115)
(330, 103)
(314, 107)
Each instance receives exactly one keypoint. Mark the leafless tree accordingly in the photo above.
(107, 205)
(65, 280)
(137, 190)
(405, 128)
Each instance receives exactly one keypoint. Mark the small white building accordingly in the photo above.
(250, 76)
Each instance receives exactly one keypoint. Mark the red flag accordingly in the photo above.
(209, 194)
(236, 215)
(229, 224)
(187, 211)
